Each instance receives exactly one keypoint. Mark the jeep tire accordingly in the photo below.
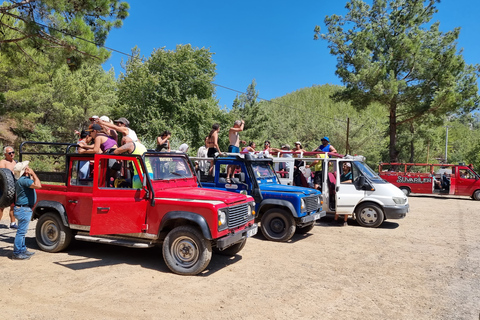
(277, 225)
(51, 234)
(7, 188)
(185, 251)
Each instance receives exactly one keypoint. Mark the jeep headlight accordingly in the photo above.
(303, 206)
(399, 200)
(222, 220)
(251, 209)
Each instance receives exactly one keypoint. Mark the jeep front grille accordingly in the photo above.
(311, 203)
(237, 215)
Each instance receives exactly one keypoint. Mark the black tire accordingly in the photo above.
(232, 250)
(51, 234)
(185, 251)
(7, 188)
(305, 229)
(476, 195)
(369, 215)
(277, 225)
(406, 190)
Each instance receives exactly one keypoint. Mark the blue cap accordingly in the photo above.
(326, 138)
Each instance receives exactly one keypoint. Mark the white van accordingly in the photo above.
(367, 198)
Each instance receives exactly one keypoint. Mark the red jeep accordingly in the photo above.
(93, 200)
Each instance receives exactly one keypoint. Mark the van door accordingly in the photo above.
(117, 207)
(347, 195)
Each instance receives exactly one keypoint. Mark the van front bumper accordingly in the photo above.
(396, 212)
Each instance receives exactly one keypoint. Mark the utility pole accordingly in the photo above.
(347, 147)
(446, 145)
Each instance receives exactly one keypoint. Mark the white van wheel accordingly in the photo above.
(369, 215)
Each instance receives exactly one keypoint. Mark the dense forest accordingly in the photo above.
(47, 93)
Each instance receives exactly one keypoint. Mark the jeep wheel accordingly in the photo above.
(51, 234)
(305, 229)
(277, 225)
(232, 250)
(7, 188)
(185, 251)
(369, 215)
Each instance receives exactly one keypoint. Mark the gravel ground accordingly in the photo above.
(425, 266)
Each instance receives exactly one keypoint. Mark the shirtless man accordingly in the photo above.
(234, 146)
(9, 163)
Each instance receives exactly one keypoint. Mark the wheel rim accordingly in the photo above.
(50, 233)
(277, 225)
(185, 251)
(368, 215)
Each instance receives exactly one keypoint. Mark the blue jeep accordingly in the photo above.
(281, 210)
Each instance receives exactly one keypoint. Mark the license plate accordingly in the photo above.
(252, 232)
(316, 217)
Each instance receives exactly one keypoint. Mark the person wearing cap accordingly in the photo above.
(326, 146)
(163, 141)
(101, 141)
(9, 163)
(121, 125)
(111, 132)
(26, 196)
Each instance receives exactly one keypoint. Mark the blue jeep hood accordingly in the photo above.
(285, 188)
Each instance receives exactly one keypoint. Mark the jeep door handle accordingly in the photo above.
(103, 208)
(72, 201)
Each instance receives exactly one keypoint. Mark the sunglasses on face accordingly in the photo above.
(11, 152)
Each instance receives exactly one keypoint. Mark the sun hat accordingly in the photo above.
(105, 118)
(93, 118)
(326, 139)
(19, 169)
(298, 142)
(286, 145)
(123, 120)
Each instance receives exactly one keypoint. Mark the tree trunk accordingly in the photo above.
(393, 132)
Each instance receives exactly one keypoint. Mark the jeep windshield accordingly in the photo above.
(168, 167)
(264, 171)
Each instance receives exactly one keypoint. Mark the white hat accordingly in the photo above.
(298, 142)
(19, 169)
(105, 118)
(93, 118)
(183, 147)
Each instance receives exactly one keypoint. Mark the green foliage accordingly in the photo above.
(390, 54)
(171, 90)
(46, 24)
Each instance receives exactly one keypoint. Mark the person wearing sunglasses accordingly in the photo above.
(9, 163)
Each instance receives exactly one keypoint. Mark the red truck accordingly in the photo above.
(92, 199)
(442, 179)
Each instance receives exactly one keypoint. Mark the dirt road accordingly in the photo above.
(425, 266)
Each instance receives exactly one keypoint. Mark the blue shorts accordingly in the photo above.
(233, 149)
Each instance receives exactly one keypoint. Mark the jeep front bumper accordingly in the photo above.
(233, 238)
(312, 217)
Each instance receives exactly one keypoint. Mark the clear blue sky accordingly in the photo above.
(269, 41)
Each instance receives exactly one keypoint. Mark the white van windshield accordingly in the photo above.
(367, 171)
